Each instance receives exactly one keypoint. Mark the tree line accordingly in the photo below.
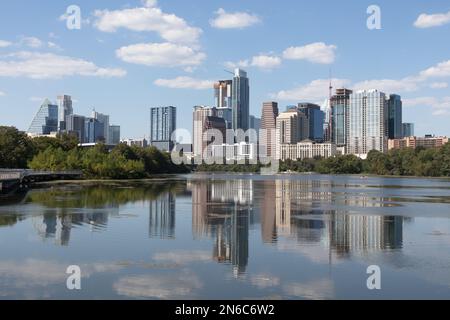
(17, 150)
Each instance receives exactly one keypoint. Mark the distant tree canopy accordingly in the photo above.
(17, 150)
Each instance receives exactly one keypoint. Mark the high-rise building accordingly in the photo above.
(94, 131)
(368, 122)
(255, 123)
(103, 119)
(268, 125)
(292, 127)
(408, 130)
(316, 118)
(76, 124)
(65, 109)
(241, 100)
(199, 117)
(227, 115)
(340, 105)
(46, 120)
(395, 117)
(223, 94)
(163, 122)
(114, 134)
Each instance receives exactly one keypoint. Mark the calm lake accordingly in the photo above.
(229, 237)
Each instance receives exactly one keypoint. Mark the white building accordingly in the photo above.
(236, 152)
(143, 143)
(368, 122)
(306, 150)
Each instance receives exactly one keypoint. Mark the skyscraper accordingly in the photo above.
(408, 130)
(255, 123)
(316, 118)
(75, 124)
(340, 104)
(223, 93)
(103, 119)
(268, 125)
(45, 120)
(241, 100)
(163, 122)
(199, 116)
(395, 117)
(94, 131)
(288, 127)
(114, 134)
(64, 109)
(368, 121)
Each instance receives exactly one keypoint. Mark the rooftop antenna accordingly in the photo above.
(228, 71)
(331, 85)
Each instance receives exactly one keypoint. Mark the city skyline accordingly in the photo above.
(106, 72)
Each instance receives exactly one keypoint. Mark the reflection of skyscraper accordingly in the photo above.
(224, 219)
(268, 212)
(162, 217)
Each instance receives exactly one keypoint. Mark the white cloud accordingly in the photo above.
(316, 90)
(36, 99)
(53, 45)
(2, 94)
(439, 85)
(161, 55)
(432, 20)
(31, 42)
(317, 52)
(316, 290)
(148, 19)
(183, 257)
(439, 106)
(388, 85)
(235, 20)
(440, 70)
(184, 83)
(266, 62)
(4, 44)
(51, 66)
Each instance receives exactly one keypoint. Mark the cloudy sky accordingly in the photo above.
(131, 55)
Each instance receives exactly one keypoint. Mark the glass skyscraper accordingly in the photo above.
(94, 131)
(46, 119)
(241, 100)
(368, 120)
(395, 117)
(340, 104)
(316, 118)
(65, 109)
(163, 122)
(408, 130)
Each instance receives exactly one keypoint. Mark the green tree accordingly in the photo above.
(16, 148)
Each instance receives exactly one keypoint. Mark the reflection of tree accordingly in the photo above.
(8, 220)
(101, 195)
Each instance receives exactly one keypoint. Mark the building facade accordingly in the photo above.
(316, 119)
(103, 119)
(65, 109)
(268, 140)
(94, 131)
(306, 150)
(415, 142)
(241, 100)
(223, 94)
(45, 121)
(340, 105)
(75, 124)
(408, 130)
(199, 117)
(236, 152)
(163, 122)
(395, 121)
(368, 122)
(114, 134)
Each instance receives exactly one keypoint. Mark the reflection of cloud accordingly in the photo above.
(183, 257)
(315, 253)
(263, 281)
(158, 286)
(317, 290)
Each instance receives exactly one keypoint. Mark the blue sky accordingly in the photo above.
(131, 55)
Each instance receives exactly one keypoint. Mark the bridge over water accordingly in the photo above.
(11, 179)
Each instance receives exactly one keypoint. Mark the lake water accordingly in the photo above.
(229, 237)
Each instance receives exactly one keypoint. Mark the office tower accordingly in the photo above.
(94, 131)
(223, 94)
(64, 109)
(114, 134)
(268, 125)
(408, 130)
(368, 121)
(316, 118)
(340, 105)
(199, 116)
(46, 119)
(241, 100)
(288, 127)
(227, 115)
(395, 117)
(163, 123)
(103, 119)
(75, 124)
(255, 123)
(328, 123)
